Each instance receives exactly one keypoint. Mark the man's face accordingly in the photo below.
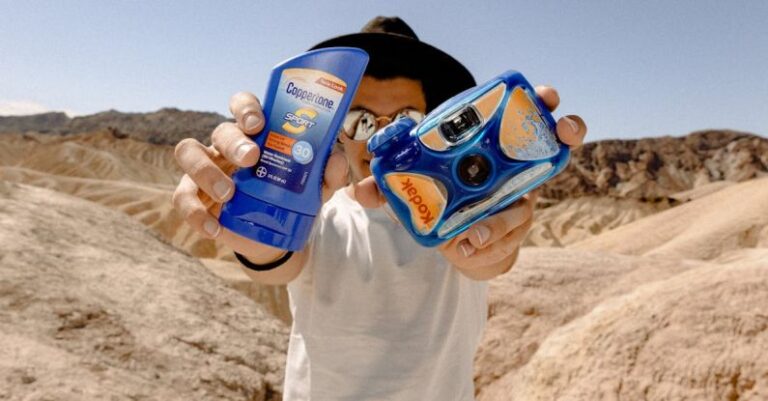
(382, 97)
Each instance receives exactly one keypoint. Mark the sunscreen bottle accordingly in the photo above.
(276, 201)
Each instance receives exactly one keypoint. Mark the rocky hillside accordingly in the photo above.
(165, 126)
(656, 168)
(96, 307)
(45, 122)
(648, 169)
(130, 176)
(648, 279)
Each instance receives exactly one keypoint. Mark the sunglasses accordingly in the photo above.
(360, 124)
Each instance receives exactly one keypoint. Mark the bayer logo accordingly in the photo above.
(261, 172)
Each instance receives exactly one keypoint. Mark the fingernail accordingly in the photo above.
(574, 126)
(221, 189)
(212, 227)
(466, 248)
(251, 122)
(243, 150)
(483, 233)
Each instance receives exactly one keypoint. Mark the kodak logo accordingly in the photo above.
(417, 202)
(423, 197)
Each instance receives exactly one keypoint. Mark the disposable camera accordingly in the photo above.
(471, 157)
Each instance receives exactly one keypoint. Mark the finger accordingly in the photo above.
(504, 247)
(196, 161)
(457, 250)
(246, 109)
(335, 176)
(367, 193)
(571, 130)
(230, 141)
(549, 96)
(495, 253)
(187, 203)
(486, 232)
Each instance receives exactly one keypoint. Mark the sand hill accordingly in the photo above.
(125, 174)
(133, 177)
(97, 307)
(602, 327)
(731, 219)
(573, 220)
(671, 306)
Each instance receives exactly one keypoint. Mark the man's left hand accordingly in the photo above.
(490, 246)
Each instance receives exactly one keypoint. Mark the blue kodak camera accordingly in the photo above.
(471, 157)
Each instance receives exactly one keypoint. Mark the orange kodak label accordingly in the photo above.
(280, 143)
(422, 195)
(330, 84)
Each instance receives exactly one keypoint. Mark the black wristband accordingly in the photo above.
(261, 268)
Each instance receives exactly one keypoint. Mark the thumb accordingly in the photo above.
(367, 193)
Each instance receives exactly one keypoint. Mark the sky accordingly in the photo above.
(630, 69)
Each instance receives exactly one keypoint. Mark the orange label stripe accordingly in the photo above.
(280, 143)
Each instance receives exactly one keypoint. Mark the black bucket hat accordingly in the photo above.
(392, 44)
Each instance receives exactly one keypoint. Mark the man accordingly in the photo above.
(376, 316)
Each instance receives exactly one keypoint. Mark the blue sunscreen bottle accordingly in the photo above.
(276, 201)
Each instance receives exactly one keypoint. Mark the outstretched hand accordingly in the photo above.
(207, 181)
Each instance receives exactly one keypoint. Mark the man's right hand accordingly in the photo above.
(207, 181)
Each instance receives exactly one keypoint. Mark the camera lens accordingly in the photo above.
(474, 170)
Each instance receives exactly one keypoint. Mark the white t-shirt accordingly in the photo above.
(379, 317)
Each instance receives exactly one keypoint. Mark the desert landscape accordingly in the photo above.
(645, 276)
